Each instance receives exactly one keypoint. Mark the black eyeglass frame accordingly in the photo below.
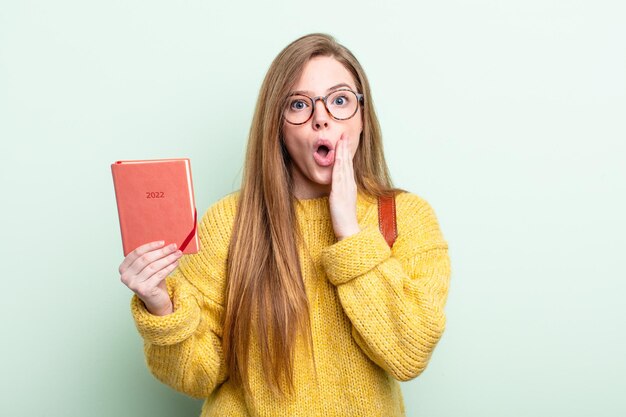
(359, 97)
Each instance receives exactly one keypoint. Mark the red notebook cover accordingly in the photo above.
(155, 201)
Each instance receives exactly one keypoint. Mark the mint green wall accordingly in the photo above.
(508, 117)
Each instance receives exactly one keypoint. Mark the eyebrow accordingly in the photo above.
(309, 93)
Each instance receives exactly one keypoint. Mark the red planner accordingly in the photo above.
(155, 201)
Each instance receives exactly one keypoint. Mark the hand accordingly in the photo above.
(342, 199)
(144, 271)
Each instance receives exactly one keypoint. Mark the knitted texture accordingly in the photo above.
(376, 314)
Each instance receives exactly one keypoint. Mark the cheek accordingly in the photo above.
(353, 148)
(292, 142)
(355, 135)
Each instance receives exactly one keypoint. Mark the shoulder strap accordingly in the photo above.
(387, 218)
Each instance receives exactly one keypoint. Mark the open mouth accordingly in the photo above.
(324, 154)
(323, 150)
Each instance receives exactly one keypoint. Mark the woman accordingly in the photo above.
(295, 305)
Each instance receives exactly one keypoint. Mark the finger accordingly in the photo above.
(141, 250)
(338, 166)
(346, 148)
(347, 157)
(151, 287)
(157, 265)
(155, 279)
(147, 258)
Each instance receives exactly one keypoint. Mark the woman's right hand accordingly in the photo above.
(144, 271)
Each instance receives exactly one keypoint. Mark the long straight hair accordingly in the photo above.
(266, 296)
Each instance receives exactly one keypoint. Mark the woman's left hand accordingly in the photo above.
(342, 197)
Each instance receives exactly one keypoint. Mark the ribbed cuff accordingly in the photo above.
(355, 255)
(170, 329)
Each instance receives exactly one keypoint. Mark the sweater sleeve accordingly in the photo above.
(184, 349)
(394, 299)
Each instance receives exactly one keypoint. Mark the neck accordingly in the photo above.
(309, 193)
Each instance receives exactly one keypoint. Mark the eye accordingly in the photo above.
(340, 100)
(298, 104)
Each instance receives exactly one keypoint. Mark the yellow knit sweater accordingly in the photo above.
(376, 314)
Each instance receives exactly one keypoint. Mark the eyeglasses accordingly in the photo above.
(340, 104)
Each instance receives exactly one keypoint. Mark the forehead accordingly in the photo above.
(321, 73)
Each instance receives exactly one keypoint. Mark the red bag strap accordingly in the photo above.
(387, 218)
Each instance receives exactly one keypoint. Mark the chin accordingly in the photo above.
(323, 179)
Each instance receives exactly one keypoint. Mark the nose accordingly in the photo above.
(320, 114)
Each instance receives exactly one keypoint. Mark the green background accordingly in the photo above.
(508, 117)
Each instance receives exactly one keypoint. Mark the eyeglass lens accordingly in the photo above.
(342, 104)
